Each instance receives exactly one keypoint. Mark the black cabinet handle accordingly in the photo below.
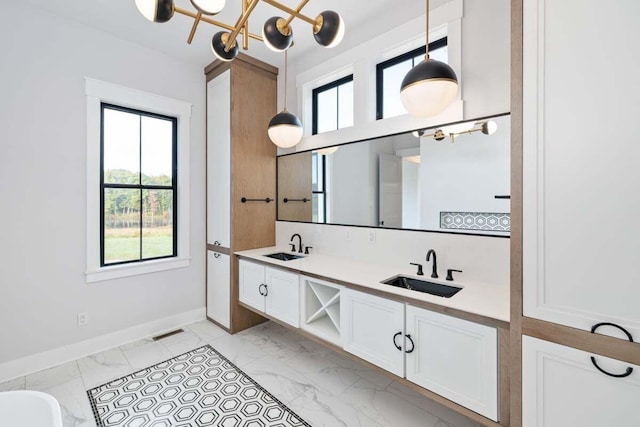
(216, 243)
(413, 345)
(394, 340)
(216, 255)
(593, 359)
(265, 290)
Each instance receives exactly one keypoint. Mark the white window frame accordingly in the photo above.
(98, 92)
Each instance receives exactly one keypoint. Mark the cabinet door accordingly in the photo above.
(218, 288)
(455, 358)
(219, 160)
(283, 296)
(561, 387)
(369, 326)
(580, 192)
(251, 283)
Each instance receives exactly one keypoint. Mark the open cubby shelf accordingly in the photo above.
(321, 309)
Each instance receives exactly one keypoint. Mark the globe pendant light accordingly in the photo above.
(156, 10)
(208, 7)
(329, 29)
(429, 87)
(285, 129)
(218, 45)
(277, 34)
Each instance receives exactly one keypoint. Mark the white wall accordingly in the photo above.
(43, 184)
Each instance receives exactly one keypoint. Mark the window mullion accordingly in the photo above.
(140, 180)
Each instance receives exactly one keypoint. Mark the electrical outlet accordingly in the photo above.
(83, 319)
(372, 237)
(348, 235)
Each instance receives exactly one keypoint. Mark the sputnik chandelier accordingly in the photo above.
(277, 34)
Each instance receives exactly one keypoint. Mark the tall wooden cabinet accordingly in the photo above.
(580, 210)
(241, 163)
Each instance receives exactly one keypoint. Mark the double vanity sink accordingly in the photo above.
(399, 281)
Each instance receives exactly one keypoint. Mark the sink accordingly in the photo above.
(283, 256)
(432, 288)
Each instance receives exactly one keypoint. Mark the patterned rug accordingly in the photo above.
(198, 388)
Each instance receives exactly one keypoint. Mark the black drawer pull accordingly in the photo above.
(629, 370)
(264, 294)
(394, 340)
(413, 345)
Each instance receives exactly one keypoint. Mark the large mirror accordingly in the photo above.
(451, 178)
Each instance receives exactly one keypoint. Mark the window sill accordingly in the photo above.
(126, 270)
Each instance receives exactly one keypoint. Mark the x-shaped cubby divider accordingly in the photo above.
(322, 308)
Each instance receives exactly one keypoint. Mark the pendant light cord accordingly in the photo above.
(426, 56)
(285, 78)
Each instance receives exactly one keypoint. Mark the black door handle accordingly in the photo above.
(265, 290)
(394, 340)
(413, 345)
(593, 359)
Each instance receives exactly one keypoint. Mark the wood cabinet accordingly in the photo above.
(241, 162)
(373, 329)
(562, 387)
(270, 290)
(455, 358)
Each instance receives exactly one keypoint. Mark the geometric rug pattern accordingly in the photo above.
(485, 221)
(198, 388)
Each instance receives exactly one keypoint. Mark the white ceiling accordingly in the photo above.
(122, 19)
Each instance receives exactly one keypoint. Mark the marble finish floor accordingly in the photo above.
(323, 387)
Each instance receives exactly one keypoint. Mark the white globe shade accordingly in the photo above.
(489, 127)
(429, 97)
(285, 136)
(209, 7)
(147, 8)
(156, 10)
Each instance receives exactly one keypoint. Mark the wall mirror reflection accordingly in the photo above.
(452, 178)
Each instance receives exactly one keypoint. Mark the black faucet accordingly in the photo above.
(293, 246)
(434, 270)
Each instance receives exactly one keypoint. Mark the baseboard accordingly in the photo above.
(48, 359)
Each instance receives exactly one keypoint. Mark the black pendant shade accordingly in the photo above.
(331, 29)
(273, 36)
(218, 47)
(164, 10)
(285, 118)
(429, 69)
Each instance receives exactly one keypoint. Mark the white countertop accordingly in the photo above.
(482, 299)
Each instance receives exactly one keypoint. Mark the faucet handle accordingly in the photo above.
(293, 247)
(420, 272)
(306, 249)
(450, 274)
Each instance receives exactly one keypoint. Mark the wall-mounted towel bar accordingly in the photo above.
(266, 200)
(304, 200)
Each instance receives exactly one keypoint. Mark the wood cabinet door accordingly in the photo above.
(283, 296)
(455, 358)
(373, 329)
(219, 160)
(218, 288)
(580, 187)
(252, 284)
(561, 387)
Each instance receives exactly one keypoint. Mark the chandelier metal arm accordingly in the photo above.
(302, 4)
(240, 24)
(293, 12)
(245, 28)
(194, 27)
(193, 15)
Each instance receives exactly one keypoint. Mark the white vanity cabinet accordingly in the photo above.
(373, 329)
(270, 290)
(580, 188)
(218, 298)
(562, 387)
(453, 357)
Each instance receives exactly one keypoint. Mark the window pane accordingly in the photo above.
(157, 229)
(121, 225)
(318, 208)
(316, 172)
(121, 147)
(327, 110)
(345, 105)
(157, 156)
(441, 54)
(392, 81)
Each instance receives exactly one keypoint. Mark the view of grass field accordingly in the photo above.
(123, 244)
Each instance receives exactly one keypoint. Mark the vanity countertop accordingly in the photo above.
(481, 299)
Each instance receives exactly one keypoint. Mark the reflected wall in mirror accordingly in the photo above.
(452, 178)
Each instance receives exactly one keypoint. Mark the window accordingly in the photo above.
(318, 186)
(390, 73)
(138, 186)
(137, 182)
(333, 105)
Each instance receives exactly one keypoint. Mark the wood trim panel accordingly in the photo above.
(217, 66)
(218, 249)
(474, 416)
(603, 345)
(515, 342)
(504, 396)
(476, 318)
